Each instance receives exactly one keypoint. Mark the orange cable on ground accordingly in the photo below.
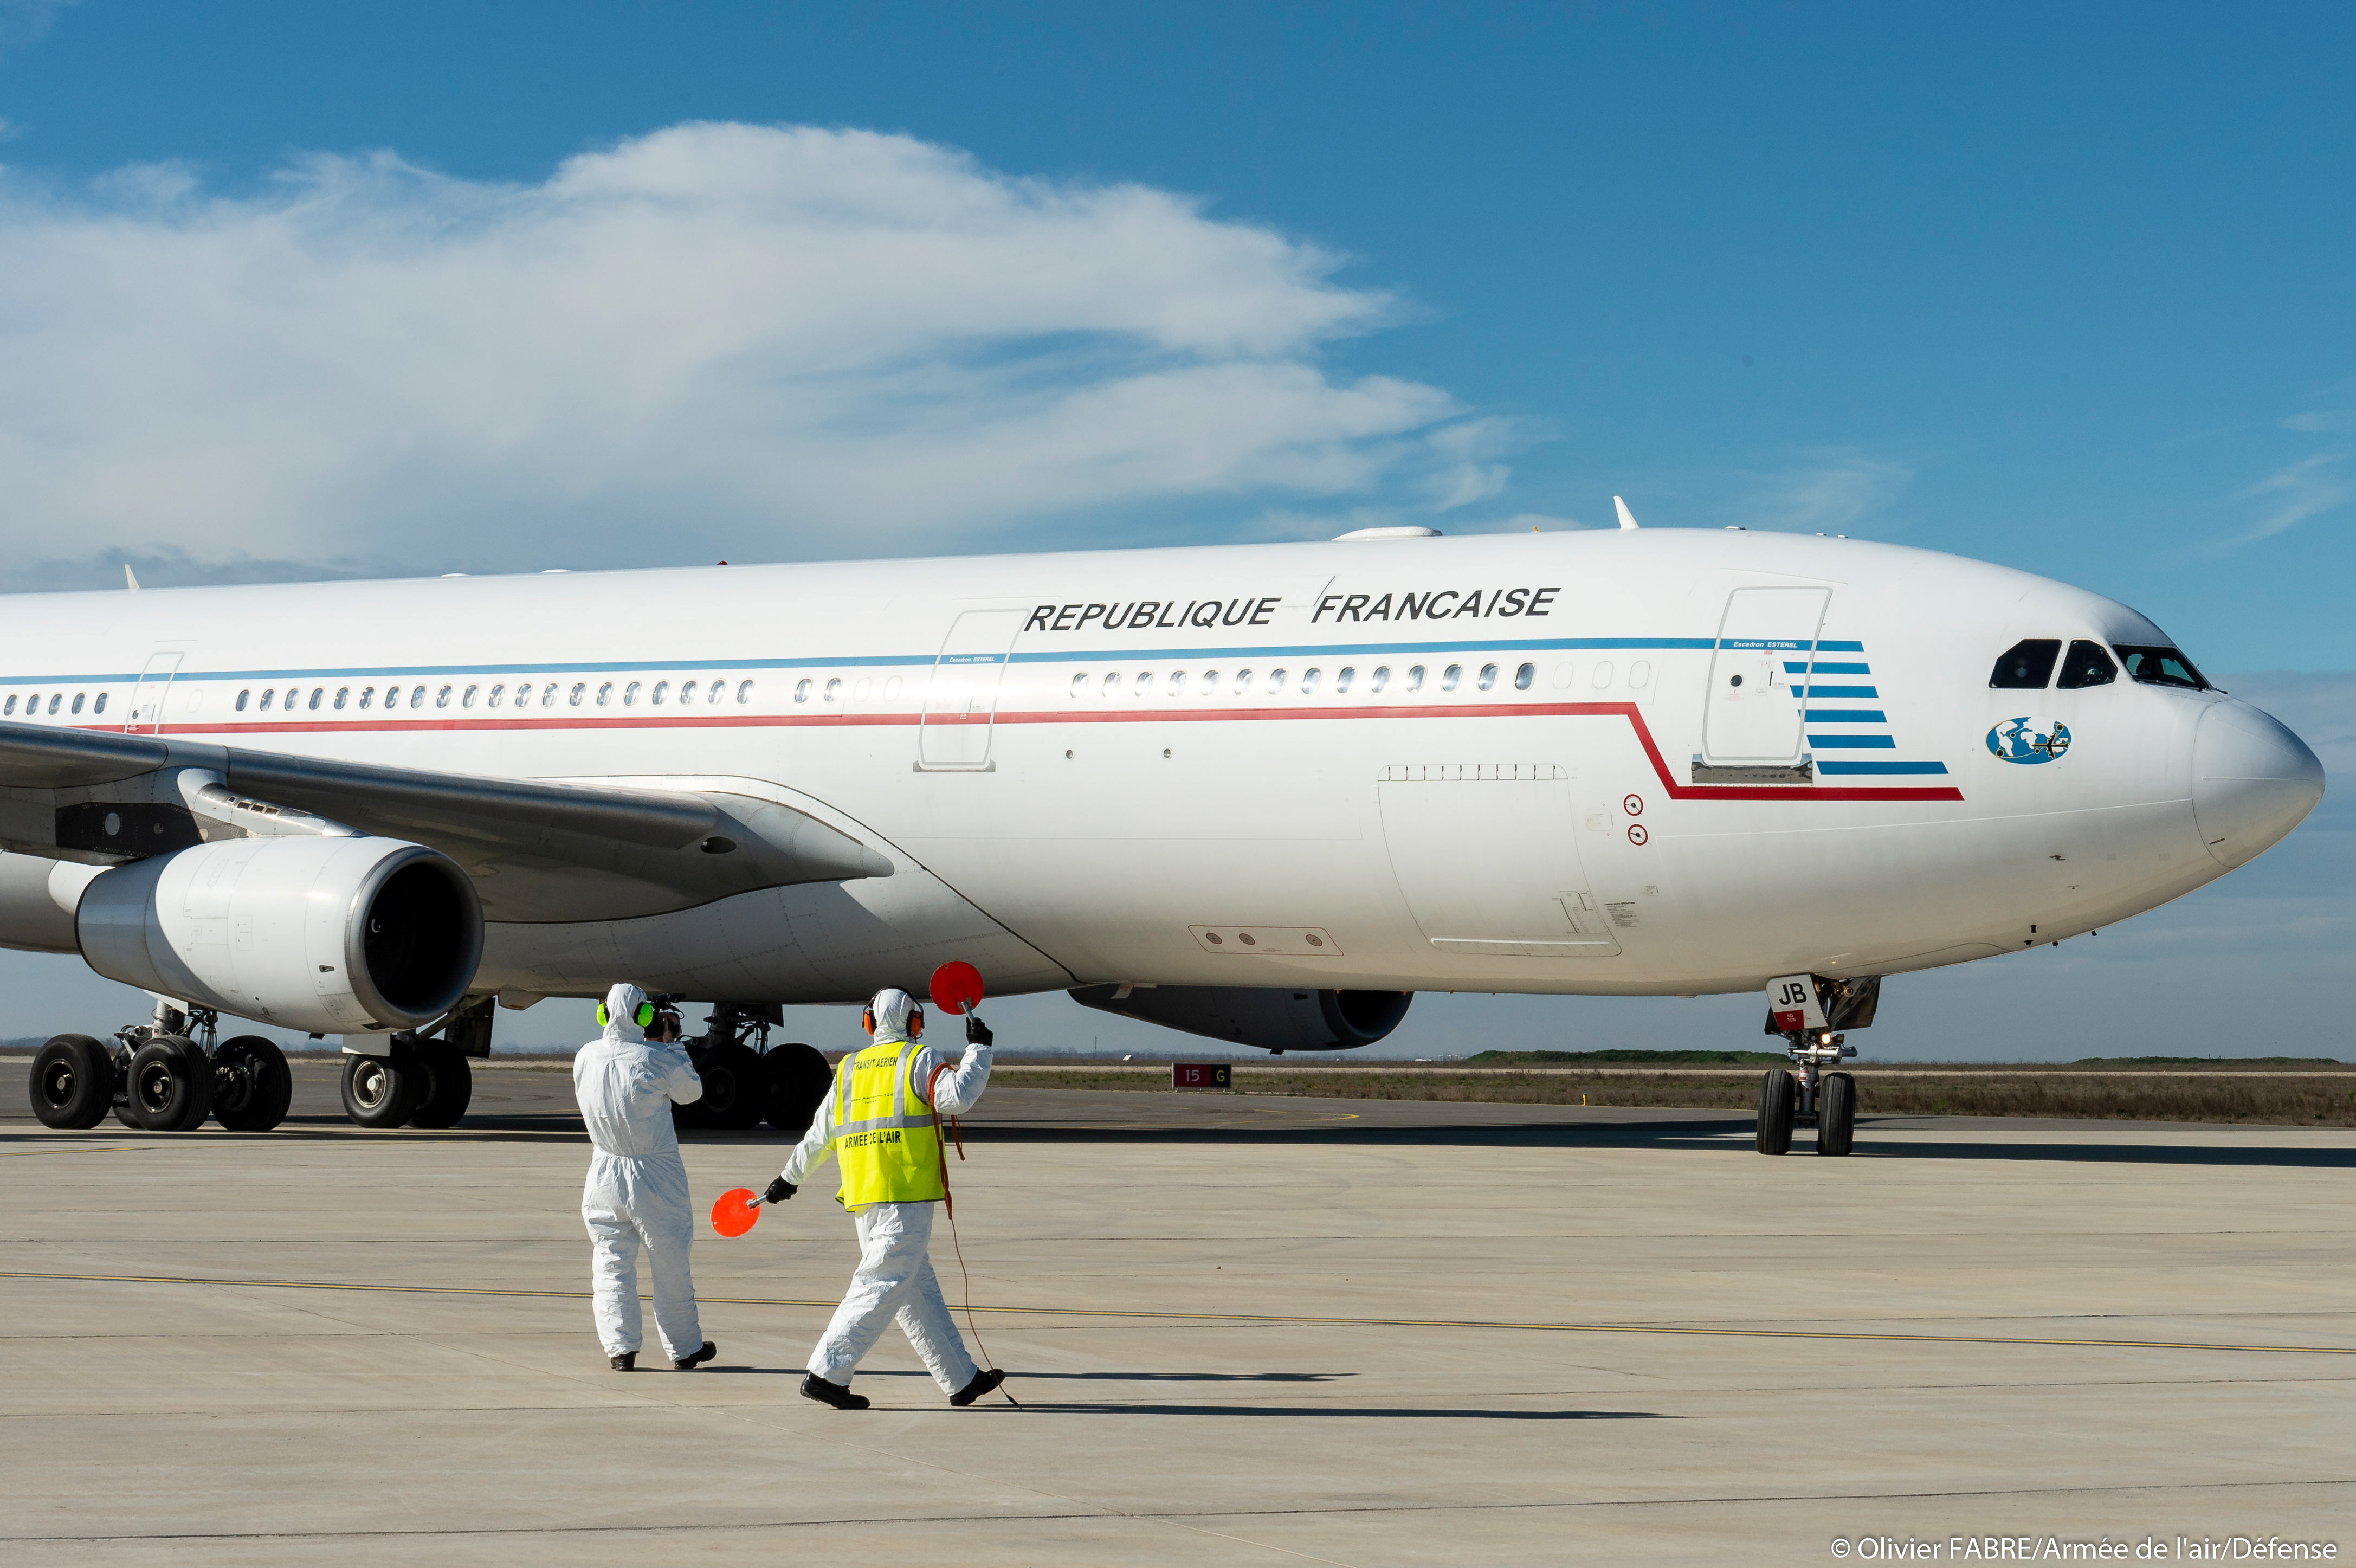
(955, 1242)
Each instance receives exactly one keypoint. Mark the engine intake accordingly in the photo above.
(1273, 1018)
(331, 935)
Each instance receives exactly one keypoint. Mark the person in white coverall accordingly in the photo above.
(881, 1119)
(626, 1082)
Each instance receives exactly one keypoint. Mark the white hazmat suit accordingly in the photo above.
(637, 1191)
(894, 1278)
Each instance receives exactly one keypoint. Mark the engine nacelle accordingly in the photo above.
(1275, 1019)
(326, 935)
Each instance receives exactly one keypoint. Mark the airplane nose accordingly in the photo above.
(2252, 781)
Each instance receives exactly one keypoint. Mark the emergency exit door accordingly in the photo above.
(145, 714)
(961, 700)
(1751, 716)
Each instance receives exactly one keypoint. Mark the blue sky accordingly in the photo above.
(291, 289)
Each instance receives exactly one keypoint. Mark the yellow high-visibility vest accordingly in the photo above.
(885, 1138)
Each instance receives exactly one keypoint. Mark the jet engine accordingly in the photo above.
(1274, 1019)
(329, 935)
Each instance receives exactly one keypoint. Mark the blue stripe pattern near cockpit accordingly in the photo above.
(1847, 729)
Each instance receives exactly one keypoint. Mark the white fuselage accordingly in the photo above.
(1501, 763)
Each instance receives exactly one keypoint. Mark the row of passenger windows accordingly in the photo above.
(57, 703)
(525, 694)
(2027, 666)
(1144, 683)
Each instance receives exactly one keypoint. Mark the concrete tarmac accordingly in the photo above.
(1242, 1330)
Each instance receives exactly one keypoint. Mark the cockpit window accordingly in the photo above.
(2159, 667)
(2027, 665)
(2087, 665)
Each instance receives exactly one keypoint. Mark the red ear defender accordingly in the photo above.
(867, 1019)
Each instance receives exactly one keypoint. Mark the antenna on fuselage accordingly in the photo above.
(1627, 518)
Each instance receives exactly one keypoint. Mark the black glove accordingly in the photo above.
(779, 1190)
(977, 1033)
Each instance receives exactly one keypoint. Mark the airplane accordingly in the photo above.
(1261, 793)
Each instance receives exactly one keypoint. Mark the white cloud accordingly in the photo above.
(2306, 488)
(1826, 495)
(24, 21)
(791, 340)
(2322, 420)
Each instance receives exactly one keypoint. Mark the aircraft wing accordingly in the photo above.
(538, 851)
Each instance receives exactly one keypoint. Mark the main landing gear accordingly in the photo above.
(747, 1080)
(167, 1076)
(419, 1079)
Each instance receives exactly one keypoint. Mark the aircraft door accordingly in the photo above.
(1750, 717)
(961, 700)
(1491, 865)
(145, 714)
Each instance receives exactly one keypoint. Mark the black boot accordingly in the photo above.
(700, 1357)
(983, 1381)
(816, 1388)
(627, 1362)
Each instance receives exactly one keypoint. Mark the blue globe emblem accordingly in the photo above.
(2029, 740)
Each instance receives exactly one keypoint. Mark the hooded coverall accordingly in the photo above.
(637, 1189)
(894, 1278)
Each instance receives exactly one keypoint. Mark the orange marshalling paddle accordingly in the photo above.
(733, 1212)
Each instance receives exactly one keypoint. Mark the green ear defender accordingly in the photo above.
(646, 1015)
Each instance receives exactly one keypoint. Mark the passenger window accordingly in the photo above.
(548, 696)
(630, 696)
(497, 692)
(100, 705)
(1381, 677)
(368, 697)
(2027, 665)
(266, 695)
(1309, 680)
(2151, 666)
(316, 692)
(1488, 676)
(1242, 681)
(10, 707)
(77, 701)
(1276, 680)
(1344, 679)
(801, 691)
(343, 695)
(580, 690)
(1177, 681)
(2087, 665)
(662, 690)
(687, 691)
(417, 696)
(833, 690)
(1210, 683)
(1450, 676)
(1079, 684)
(1639, 674)
(55, 698)
(1145, 682)
(1415, 679)
(1524, 676)
(606, 694)
(442, 698)
(467, 699)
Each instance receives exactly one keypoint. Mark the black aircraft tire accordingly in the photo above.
(171, 1088)
(449, 1086)
(260, 1084)
(73, 1084)
(379, 1092)
(798, 1077)
(735, 1092)
(1778, 1096)
(1837, 1114)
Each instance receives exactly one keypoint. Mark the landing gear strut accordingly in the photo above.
(419, 1079)
(166, 1076)
(1806, 1010)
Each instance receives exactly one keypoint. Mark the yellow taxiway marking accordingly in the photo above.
(1272, 1318)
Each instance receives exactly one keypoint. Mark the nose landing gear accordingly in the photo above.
(1806, 1010)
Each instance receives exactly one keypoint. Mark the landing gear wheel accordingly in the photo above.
(449, 1085)
(379, 1092)
(798, 1080)
(735, 1090)
(171, 1087)
(1777, 1099)
(73, 1082)
(1836, 1113)
(252, 1084)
